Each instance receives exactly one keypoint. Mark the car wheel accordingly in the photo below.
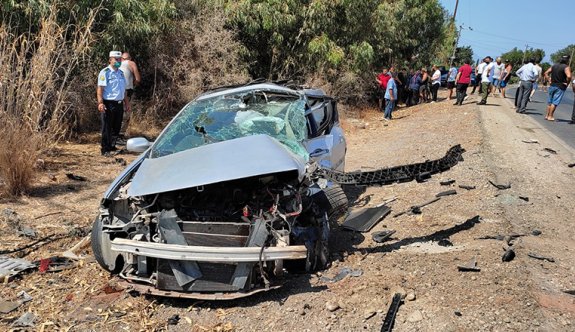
(337, 202)
(101, 248)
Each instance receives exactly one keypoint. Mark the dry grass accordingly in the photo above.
(36, 70)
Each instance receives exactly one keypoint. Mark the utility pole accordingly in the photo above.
(524, 54)
(457, 34)
(455, 11)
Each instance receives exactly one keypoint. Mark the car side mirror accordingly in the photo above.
(138, 144)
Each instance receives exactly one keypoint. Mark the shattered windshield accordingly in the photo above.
(226, 117)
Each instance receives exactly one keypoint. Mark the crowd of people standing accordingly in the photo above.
(488, 77)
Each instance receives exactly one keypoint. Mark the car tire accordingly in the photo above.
(101, 249)
(337, 202)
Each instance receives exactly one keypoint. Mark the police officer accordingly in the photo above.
(111, 93)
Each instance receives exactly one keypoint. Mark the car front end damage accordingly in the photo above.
(225, 237)
(227, 199)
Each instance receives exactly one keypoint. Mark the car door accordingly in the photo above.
(326, 144)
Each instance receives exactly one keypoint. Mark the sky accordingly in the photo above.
(493, 27)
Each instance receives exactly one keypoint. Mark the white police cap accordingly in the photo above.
(115, 54)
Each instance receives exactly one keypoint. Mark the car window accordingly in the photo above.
(227, 117)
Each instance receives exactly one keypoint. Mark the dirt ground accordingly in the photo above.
(525, 294)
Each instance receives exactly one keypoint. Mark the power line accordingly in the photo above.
(515, 39)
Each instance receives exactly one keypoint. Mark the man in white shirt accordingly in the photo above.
(486, 80)
(539, 71)
(435, 83)
(478, 73)
(527, 75)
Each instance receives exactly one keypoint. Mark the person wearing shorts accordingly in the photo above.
(560, 75)
(451, 80)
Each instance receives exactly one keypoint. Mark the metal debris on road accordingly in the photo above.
(416, 209)
(446, 193)
(470, 267)
(343, 272)
(363, 220)
(10, 267)
(550, 150)
(447, 182)
(467, 187)
(382, 236)
(391, 313)
(8, 306)
(26, 320)
(542, 258)
(530, 141)
(500, 186)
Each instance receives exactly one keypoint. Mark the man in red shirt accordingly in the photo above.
(382, 80)
(462, 81)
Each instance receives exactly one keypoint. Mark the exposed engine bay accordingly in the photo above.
(264, 211)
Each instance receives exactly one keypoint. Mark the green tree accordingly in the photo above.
(291, 38)
(464, 53)
(569, 50)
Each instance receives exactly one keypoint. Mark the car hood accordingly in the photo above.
(217, 162)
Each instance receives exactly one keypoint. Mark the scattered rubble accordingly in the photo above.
(508, 256)
(470, 267)
(447, 182)
(389, 320)
(343, 272)
(382, 236)
(500, 186)
(550, 150)
(446, 193)
(539, 257)
(26, 320)
(466, 187)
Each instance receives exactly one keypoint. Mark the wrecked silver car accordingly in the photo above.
(228, 197)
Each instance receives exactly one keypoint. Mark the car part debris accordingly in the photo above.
(470, 267)
(71, 253)
(447, 182)
(389, 320)
(24, 297)
(500, 186)
(343, 272)
(467, 187)
(76, 177)
(363, 220)
(416, 209)
(9, 267)
(26, 231)
(445, 243)
(397, 174)
(422, 177)
(446, 193)
(542, 258)
(8, 306)
(382, 236)
(26, 320)
(54, 264)
(508, 256)
(530, 141)
(550, 150)
(174, 320)
(525, 198)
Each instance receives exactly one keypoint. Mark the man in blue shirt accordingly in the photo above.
(451, 80)
(527, 74)
(111, 94)
(390, 96)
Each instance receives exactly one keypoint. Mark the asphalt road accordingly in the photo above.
(560, 127)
